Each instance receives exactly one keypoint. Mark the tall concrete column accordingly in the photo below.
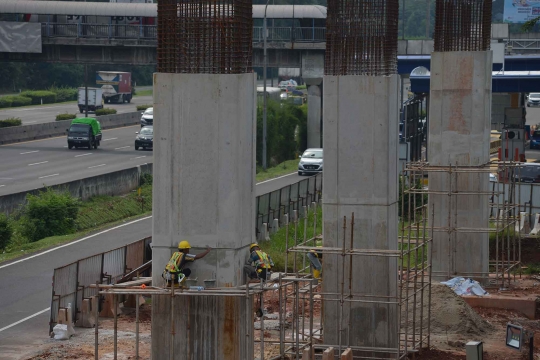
(459, 134)
(314, 117)
(360, 142)
(203, 192)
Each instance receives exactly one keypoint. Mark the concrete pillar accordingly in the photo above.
(314, 117)
(459, 134)
(360, 142)
(203, 192)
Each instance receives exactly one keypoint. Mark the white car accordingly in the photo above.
(147, 117)
(533, 99)
(311, 161)
(288, 85)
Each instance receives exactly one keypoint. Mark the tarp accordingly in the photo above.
(20, 37)
(520, 11)
(462, 286)
(96, 126)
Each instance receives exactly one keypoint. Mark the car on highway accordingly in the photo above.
(311, 161)
(288, 85)
(84, 132)
(533, 99)
(535, 140)
(147, 117)
(527, 173)
(145, 138)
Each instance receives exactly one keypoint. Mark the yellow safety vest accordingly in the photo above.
(173, 264)
(263, 261)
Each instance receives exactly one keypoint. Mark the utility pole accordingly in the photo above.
(264, 88)
(428, 18)
(85, 90)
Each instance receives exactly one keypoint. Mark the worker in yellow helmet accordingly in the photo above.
(175, 267)
(259, 263)
(315, 258)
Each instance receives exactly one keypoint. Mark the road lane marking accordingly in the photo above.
(46, 176)
(2, 185)
(29, 152)
(138, 157)
(95, 166)
(109, 139)
(43, 162)
(83, 154)
(30, 122)
(77, 241)
(123, 147)
(26, 318)
(6, 178)
(280, 177)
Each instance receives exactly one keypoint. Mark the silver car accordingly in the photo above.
(147, 117)
(311, 161)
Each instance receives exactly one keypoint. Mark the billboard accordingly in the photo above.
(520, 11)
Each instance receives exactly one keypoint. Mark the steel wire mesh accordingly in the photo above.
(361, 37)
(205, 37)
(462, 25)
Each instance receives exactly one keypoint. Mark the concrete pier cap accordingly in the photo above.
(360, 140)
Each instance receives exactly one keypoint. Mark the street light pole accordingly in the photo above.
(264, 89)
(86, 90)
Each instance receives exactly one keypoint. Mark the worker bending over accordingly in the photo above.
(315, 258)
(175, 267)
(259, 264)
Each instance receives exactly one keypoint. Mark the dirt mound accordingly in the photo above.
(450, 313)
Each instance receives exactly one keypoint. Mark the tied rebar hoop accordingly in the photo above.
(361, 37)
(205, 37)
(462, 25)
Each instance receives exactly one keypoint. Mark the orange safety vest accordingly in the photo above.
(174, 263)
(263, 262)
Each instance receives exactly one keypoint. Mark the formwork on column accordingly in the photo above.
(505, 241)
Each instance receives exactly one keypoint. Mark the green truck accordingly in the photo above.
(84, 132)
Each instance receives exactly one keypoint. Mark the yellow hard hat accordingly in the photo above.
(252, 246)
(184, 245)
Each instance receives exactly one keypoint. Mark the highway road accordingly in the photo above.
(47, 113)
(33, 164)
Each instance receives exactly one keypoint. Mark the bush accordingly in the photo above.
(5, 102)
(5, 231)
(64, 93)
(65, 116)
(146, 179)
(49, 213)
(10, 122)
(48, 97)
(143, 107)
(105, 111)
(19, 100)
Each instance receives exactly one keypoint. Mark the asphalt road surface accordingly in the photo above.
(47, 113)
(31, 165)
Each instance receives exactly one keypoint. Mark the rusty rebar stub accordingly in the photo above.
(361, 37)
(462, 25)
(205, 37)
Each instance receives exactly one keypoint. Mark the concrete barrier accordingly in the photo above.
(115, 183)
(16, 134)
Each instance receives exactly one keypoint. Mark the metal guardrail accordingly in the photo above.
(283, 201)
(112, 31)
(71, 283)
(522, 44)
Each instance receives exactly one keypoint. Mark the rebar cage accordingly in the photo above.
(361, 37)
(462, 25)
(204, 37)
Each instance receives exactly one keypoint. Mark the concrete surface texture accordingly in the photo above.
(204, 192)
(314, 117)
(360, 140)
(459, 134)
(498, 103)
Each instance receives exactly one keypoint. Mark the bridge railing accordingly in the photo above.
(112, 31)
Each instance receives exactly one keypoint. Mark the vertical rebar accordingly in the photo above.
(281, 320)
(341, 301)
(350, 278)
(115, 303)
(171, 350)
(137, 323)
(96, 326)
(287, 242)
(262, 318)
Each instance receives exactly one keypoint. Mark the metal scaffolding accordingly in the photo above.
(504, 209)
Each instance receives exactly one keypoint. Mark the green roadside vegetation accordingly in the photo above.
(286, 167)
(148, 92)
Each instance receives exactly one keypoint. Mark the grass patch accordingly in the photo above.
(276, 246)
(149, 92)
(286, 167)
(43, 244)
(301, 87)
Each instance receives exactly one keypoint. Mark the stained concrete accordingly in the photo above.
(204, 192)
(314, 117)
(360, 140)
(459, 134)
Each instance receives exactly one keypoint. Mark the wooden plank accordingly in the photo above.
(328, 354)
(143, 280)
(347, 354)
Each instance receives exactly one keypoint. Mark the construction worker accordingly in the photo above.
(175, 267)
(315, 258)
(259, 263)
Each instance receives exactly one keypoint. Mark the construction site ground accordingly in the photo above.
(453, 324)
